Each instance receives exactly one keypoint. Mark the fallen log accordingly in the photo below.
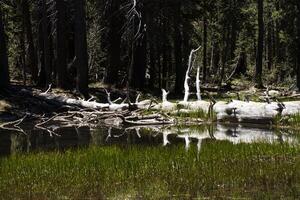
(236, 110)
(64, 100)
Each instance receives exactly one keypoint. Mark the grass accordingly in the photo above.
(290, 121)
(197, 114)
(137, 172)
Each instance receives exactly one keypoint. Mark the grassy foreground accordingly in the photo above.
(260, 171)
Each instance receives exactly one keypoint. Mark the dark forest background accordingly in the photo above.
(145, 44)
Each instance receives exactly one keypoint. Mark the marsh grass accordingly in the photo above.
(196, 114)
(220, 170)
(292, 121)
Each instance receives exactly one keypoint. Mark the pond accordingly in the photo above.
(151, 162)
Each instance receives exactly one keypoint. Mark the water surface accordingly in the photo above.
(188, 136)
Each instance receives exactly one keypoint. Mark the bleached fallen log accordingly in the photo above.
(165, 105)
(64, 100)
(195, 105)
(291, 108)
(258, 111)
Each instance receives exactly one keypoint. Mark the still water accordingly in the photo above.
(216, 161)
(187, 136)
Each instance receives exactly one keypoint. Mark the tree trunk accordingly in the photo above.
(241, 67)
(179, 69)
(61, 45)
(204, 49)
(159, 65)
(4, 73)
(81, 48)
(233, 31)
(139, 62)
(23, 52)
(226, 33)
(298, 45)
(139, 54)
(260, 45)
(32, 60)
(164, 56)
(277, 43)
(270, 46)
(40, 53)
(215, 58)
(152, 77)
(152, 66)
(114, 44)
(46, 43)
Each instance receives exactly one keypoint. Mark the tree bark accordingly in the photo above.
(139, 56)
(224, 59)
(4, 73)
(233, 31)
(204, 49)
(260, 45)
(179, 69)
(298, 45)
(81, 48)
(23, 51)
(152, 66)
(61, 45)
(40, 53)
(139, 63)
(270, 46)
(32, 60)
(114, 43)
(215, 58)
(164, 56)
(46, 44)
(241, 68)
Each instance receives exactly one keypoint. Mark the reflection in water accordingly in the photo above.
(143, 135)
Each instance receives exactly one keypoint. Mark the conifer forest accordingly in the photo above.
(149, 99)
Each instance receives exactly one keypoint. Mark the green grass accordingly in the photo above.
(291, 121)
(197, 114)
(220, 170)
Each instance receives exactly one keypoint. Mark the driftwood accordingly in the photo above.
(14, 125)
(82, 113)
(63, 100)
